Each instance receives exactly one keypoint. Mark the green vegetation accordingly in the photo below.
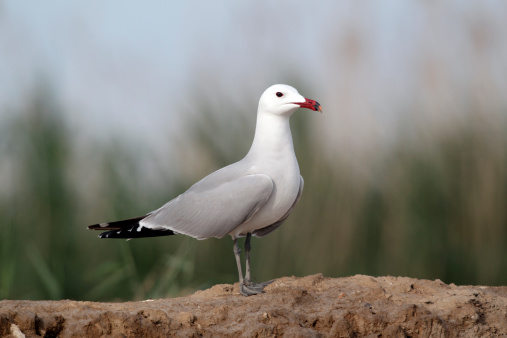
(427, 208)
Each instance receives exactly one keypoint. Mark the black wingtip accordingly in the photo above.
(136, 232)
(128, 229)
(107, 226)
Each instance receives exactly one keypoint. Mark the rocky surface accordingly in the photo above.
(311, 306)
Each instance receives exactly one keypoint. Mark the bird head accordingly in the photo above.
(281, 99)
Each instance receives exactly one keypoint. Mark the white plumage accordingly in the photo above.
(252, 196)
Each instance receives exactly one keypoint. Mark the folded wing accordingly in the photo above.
(213, 207)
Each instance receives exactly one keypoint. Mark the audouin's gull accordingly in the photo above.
(250, 197)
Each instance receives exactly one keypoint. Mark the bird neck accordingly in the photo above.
(272, 136)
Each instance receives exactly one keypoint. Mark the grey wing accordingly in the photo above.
(213, 207)
(267, 230)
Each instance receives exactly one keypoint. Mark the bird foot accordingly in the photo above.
(258, 285)
(248, 288)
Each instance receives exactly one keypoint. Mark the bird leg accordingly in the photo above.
(247, 253)
(248, 287)
(244, 289)
(237, 252)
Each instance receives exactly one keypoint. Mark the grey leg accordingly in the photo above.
(250, 288)
(245, 290)
(248, 278)
(237, 252)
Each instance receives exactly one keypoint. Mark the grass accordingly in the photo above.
(428, 207)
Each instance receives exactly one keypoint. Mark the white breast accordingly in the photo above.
(272, 154)
(286, 178)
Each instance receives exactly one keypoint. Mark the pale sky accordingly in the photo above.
(138, 67)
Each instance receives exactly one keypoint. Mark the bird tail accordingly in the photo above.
(129, 228)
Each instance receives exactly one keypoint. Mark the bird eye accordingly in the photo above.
(279, 94)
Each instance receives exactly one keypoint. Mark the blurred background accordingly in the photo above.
(110, 109)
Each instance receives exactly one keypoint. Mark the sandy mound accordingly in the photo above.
(294, 307)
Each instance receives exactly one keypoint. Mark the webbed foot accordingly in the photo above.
(248, 288)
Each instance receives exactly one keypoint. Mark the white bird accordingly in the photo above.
(250, 197)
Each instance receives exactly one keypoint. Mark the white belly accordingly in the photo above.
(286, 179)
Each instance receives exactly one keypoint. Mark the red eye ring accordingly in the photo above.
(279, 94)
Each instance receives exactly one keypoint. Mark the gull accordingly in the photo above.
(251, 197)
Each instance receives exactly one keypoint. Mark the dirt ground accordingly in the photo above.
(310, 306)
